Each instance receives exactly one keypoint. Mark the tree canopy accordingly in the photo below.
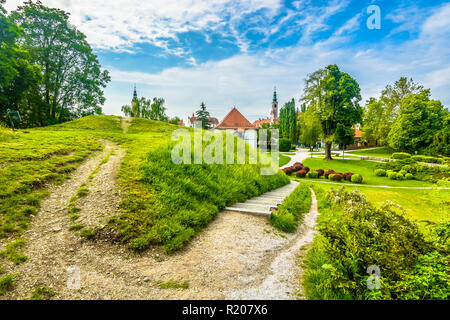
(334, 95)
(419, 121)
(288, 122)
(72, 80)
(146, 108)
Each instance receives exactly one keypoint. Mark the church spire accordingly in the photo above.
(275, 94)
(135, 92)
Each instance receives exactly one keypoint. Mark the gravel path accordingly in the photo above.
(282, 282)
(300, 156)
(233, 255)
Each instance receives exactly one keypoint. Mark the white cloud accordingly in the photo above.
(120, 24)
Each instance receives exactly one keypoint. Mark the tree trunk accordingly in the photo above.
(328, 151)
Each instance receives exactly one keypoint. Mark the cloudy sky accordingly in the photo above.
(229, 52)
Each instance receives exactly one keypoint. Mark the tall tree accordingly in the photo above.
(310, 128)
(73, 81)
(418, 122)
(335, 97)
(203, 116)
(288, 122)
(344, 136)
(17, 75)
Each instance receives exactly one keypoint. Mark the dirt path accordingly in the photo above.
(235, 251)
(125, 123)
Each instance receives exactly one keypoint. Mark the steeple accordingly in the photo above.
(274, 112)
(135, 92)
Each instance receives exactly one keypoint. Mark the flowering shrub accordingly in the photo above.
(320, 172)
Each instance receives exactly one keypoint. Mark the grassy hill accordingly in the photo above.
(162, 203)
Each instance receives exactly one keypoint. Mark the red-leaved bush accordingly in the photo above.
(320, 172)
(301, 174)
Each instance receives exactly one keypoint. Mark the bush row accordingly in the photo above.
(411, 170)
(291, 212)
(302, 171)
(418, 158)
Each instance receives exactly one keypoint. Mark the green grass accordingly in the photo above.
(31, 159)
(291, 212)
(76, 227)
(380, 152)
(364, 168)
(42, 293)
(6, 284)
(162, 203)
(284, 160)
(173, 285)
(13, 253)
(167, 204)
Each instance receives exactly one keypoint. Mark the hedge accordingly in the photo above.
(401, 155)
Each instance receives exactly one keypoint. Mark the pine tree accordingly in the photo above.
(203, 116)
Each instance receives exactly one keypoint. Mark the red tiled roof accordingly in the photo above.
(358, 133)
(235, 120)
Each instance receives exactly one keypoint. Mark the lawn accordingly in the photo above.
(363, 167)
(381, 152)
(284, 160)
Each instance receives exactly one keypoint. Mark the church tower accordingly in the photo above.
(274, 112)
(135, 97)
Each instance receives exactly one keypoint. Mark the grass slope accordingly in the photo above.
(163, 203)
(382, 152)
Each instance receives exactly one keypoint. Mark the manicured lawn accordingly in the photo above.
(363, 167)
(284, 160)
(382, 152)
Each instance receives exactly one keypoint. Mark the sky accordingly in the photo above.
(230, 53)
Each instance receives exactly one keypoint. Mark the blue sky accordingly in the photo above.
(229, 52)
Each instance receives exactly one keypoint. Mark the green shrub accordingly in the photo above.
(292, 210)
(392, 175)
(354, 234)
(401, 155)
(285, 145)
(400, 176)
(408, 168)
(409, 176)
(357, 178)
(380, 173)
(312, 175)
(403, 172)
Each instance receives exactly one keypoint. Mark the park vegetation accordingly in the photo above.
(48, 71)
(354, 234)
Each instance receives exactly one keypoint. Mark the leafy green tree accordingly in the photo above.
(441, 141)
(288, 122)
(72, 76)
(17, 75)
(381, 114)
(203, 116)
(418, 122)
(335, 97)
(310, 128)
(175, 120)
(146, 108)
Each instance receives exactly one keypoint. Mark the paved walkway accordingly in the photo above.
(300, 156)
(263, 204)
